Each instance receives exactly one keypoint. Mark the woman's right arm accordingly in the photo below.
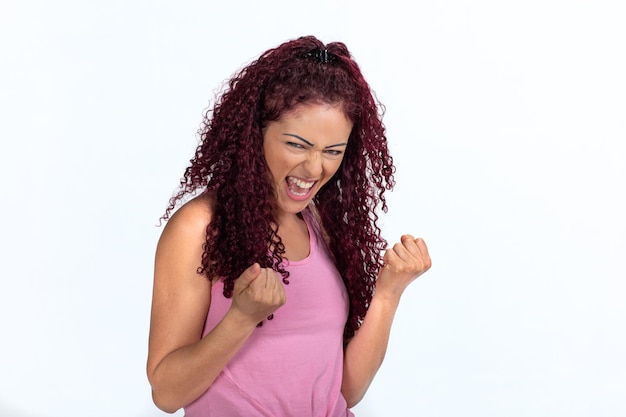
(181, 363)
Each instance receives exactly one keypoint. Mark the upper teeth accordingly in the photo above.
(300, 183)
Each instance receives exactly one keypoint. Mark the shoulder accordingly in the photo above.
(192, 218)
(177, 283)
(181, 245)
(187, 226)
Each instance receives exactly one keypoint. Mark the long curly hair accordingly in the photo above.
(229, 163)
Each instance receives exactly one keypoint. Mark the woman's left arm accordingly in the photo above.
(407, 260)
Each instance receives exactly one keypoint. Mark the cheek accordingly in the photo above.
(273, 170)
(332, 167)
(278, 166)
(269, 154)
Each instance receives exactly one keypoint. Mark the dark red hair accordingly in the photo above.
(229, 163)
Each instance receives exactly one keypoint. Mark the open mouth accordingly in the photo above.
(298, 187)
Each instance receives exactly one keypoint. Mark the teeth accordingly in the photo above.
(299, 187)
(300, 183)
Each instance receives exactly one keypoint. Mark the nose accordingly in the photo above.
(313, 165)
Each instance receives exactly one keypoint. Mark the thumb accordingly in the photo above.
(249, 275)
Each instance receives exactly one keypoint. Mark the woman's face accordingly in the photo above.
(303, 150)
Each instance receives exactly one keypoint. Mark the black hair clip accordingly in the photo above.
(321, 55)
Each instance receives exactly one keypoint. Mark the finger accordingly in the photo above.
(261, 280)
(409, 252)
(403, 238)
(272, 278)
(275, 280)
(403, 253)
(419, 242)
(410, 243)
(391, 257)
(421, 245)
(249, 275)
(266, 279)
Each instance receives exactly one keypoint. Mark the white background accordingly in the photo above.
(507, 123)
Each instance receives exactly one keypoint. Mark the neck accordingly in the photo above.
(287, 219)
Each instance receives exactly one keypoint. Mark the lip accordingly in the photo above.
(299, 197)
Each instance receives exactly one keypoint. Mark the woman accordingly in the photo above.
(272, 296)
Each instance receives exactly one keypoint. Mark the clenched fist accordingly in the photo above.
(258, 292)
(404, 262)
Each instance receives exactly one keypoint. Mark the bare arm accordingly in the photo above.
(181, 364)
(365, 352)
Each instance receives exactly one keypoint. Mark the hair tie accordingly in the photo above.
(321, 55)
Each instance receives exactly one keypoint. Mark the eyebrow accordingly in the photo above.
(311, 144)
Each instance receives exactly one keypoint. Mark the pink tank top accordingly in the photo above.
(293, 364)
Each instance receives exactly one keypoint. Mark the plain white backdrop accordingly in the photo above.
(507, 124)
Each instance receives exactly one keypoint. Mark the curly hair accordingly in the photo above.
(229, 163)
